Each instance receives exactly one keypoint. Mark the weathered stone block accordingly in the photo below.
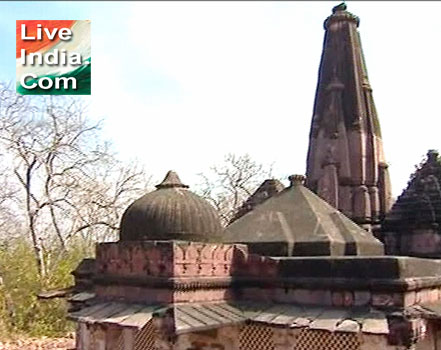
(337, 298)
(302, 296)
(409, 298)
(382, 299)
(362, 297)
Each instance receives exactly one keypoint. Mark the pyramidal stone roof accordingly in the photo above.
(419, 206)
(297, 222)
(266, 190)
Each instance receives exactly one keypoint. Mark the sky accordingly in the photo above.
(179, 85)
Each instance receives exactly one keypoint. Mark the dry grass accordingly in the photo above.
(39, 344)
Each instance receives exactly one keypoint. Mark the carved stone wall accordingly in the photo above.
(376, 342)
(99, 337)
(226, 338)
(168, 259)
(261, 337)
(144, 271)
(416, 335)
(428, 340)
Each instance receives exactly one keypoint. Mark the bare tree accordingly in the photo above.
(69, 181)
(10, 223)
(101, 203)
(229, 184)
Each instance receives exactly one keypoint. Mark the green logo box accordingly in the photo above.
(53, 57)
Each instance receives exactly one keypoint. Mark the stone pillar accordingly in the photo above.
(362, 206)
(385, 195)
(128, 338)
(375, 203)
(83, 337)
(112, 337)
(100, 338)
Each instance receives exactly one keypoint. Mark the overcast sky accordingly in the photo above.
(180, 84)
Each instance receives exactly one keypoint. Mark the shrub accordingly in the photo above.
(21, 312)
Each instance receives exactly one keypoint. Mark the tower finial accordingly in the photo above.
(340, 7)
(297, 180)
(171, 180)
(340, 14)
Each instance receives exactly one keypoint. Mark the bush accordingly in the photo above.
(21, 312)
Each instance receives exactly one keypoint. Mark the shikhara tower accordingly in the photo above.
(345, 163)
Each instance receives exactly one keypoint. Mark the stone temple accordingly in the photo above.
(412, 226)
(299, 267)
(346, 164)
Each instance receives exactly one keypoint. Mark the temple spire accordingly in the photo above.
(345, 163)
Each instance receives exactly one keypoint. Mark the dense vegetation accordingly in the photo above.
(20, 310)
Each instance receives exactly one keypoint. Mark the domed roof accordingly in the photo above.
(170, 212)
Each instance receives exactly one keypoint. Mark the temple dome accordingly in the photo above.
(170, 212)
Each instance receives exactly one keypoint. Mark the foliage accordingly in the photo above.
(20, 310)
